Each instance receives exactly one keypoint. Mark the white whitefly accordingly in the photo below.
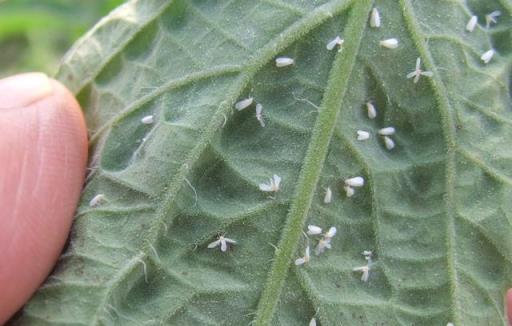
(243, 104)
(214, 244)
(388, 131)
(147, 120)
(450, 324)
(349, 191)
(363, 135)
(365, 272)
(365, 269)
(331, 233)
(223, 242)
(312, 322)
(491, 18)
(389, 143)
(314, 230)
(324, 243)
(259, 114)
(487, 56)
(375, 18)
(372, 111)
(470, 26)
(355, 182)
(417, 73)
(97, 200)
(273, 185)
(337, 41)
(328, 195)
(284, 61)
(303, 260)
(390, 43)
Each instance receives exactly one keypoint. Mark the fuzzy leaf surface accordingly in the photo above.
(435, 210)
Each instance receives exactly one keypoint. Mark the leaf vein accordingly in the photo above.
(447, 120)
(314, 160)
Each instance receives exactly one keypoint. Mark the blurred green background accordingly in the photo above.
(34, 34)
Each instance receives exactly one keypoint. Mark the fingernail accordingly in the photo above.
(24, 89)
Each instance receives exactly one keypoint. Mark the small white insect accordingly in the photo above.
(243, 104)
(450, 324)
(390, 43)
(388, 131)
(417, 73)
(331, 233)
(363, 135)
(284, 61)
(372, 111)
(324, 243)
(375, 18)
(305, 259)
(144, 269)
(365, 269)
(487, 56)
(259, 114)
(223, 242)
(349, 191)
(328, 195)
(355, 182)
(389, 143)
(312, 322)
(147, 120)
(492, 18)
(97, 200)
(470, 26)
(314, 230)
(273, 185)
(337, 41)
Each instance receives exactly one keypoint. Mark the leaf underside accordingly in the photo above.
(435, 210)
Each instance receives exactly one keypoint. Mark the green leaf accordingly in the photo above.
(435, 210)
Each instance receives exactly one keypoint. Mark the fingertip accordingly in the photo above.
(23, 89)
(43, 155)
(67, 105)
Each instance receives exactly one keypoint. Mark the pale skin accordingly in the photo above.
(43, 156)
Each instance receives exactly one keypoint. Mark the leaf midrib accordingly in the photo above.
(266, 54)
(314, 161)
